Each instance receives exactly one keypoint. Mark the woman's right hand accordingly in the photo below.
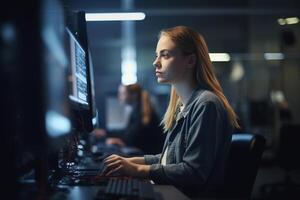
(115, 164)
(119, 165)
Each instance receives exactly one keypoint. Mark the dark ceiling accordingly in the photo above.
(226, 25)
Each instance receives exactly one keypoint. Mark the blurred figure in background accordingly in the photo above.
(142, 129)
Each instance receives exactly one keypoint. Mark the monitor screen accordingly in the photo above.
(78, 72)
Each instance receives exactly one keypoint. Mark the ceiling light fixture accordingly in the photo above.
(128, 16)
(274, 56)
(219, 57)
(288, 21)
(292, 20)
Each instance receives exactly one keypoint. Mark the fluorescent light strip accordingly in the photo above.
(274, 56)
(292, 20)
(281, 21)
(115, 16)
(289, 20)
(219, 57)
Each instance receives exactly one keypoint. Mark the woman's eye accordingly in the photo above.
(165, 55)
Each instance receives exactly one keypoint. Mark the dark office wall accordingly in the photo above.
(265, 76)
(291, 70)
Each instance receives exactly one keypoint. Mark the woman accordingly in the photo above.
(142, 129)
(198, 121)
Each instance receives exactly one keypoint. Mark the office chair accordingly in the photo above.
(287, 158)
(244, 159)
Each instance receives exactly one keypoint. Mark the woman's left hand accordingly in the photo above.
(120, 165)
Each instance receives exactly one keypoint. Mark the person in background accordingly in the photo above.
(198, 122)
(143, 127)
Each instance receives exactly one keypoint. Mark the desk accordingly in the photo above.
(163, 192)
(168, 192)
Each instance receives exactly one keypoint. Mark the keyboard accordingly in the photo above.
(127, 188)
(85, 180)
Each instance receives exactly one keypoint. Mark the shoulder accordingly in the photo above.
(208, 107)
(207, 98)
(207, 103)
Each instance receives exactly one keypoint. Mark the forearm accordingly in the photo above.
(137, 160)
(143, 171)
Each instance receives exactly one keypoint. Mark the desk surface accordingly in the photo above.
(163, 192)
(168, 192)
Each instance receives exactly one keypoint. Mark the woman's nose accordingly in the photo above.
(156, 63)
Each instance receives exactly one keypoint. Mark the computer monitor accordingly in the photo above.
(81, 78)
(35, 114)
(78, 72)
(81, 86)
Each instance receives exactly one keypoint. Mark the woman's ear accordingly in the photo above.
(191, 60)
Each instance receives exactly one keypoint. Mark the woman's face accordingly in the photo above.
(170, 63)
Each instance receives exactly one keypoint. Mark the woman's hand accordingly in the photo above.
(124, 167)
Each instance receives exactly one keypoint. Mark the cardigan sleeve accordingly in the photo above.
(152, 159)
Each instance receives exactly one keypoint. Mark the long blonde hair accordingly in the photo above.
(143, 100)
(191, 42)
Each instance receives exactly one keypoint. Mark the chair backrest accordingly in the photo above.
(244, 159)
